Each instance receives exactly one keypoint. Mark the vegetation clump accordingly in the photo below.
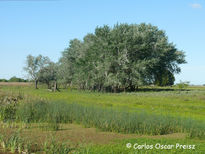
(112, 59)
(182, 85)
(17, 144)
(8, 106)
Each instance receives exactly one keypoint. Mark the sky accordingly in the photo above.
(46, 27)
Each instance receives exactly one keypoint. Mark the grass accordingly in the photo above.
(16, 144)
(57, 140)
(146, 145)
(176, 103)
(151, 112)
(105, 119)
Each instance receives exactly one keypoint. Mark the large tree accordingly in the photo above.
(123, 57)
(48, 74)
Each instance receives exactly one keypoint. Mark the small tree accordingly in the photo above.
(48, 74)
(183, 85)
(33, 65)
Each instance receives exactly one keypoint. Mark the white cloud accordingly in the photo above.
(196, 6)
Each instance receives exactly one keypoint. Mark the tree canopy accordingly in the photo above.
(120, 58)
(48, 74)
(34, 65)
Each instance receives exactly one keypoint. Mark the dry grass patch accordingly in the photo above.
(15, 83)
(77, 134)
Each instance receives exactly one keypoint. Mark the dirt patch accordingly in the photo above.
(170, 136)
(2, 152)
(77, 134)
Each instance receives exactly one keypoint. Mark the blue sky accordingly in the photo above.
(46, 26)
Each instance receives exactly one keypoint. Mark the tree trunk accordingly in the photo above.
(137, 87)
(48, 84)
(115, 90)
(36, 84)
(55, 86)
(71, 86)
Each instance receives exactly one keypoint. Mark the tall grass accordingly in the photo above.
(106, 119)
(175, 103)
(16, 144)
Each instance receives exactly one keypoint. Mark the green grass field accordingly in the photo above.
(107, 121)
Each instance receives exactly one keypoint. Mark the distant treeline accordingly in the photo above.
(13, 79)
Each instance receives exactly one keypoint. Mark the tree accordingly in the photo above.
(182, 85)
(48, 74)
(67, 69)
(33, 65)
(165, 78)
(121, 58)
(3, 80)
(15, 79)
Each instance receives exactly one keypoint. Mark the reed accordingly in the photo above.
(107, 119)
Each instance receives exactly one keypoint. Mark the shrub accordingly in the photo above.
(183, 85)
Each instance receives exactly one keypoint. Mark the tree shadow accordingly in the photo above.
(158, 90)
(153, 89)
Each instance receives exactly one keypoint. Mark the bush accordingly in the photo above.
(8, 107)
(183, 85)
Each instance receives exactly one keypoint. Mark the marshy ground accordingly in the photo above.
(177, 116)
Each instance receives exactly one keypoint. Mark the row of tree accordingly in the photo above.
(112, 59)
(13, 79)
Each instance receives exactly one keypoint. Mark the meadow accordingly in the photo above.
(74, 121)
